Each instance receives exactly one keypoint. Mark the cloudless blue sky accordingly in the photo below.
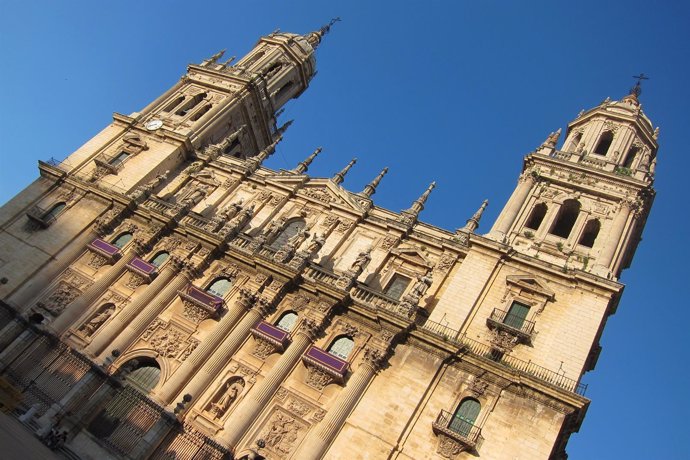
(455, 91)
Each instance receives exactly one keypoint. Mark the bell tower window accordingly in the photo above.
(189, 105)
(604, 143)
(590, 233)
(537, 216)
(566, 218)
(201, 112)
(574, 142)
(170, 107)
(630, 157)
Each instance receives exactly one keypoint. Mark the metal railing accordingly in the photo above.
(485, 351)
(457, 428)
(504, 319)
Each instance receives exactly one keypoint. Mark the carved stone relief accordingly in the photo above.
(318, 194)
(503, 341)
(263, 348)
(344, 226)
(169, 341)
(134, 280)
(449, 447)
(318, 378)
(96, 261)
(281, 434)
(389, 241)
(97, 320)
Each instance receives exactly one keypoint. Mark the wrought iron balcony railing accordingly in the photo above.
(266, 331)
(461, 430)
(513, 324)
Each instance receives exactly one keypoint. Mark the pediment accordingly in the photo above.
(413, 255)
(328, 193)
(531, 284)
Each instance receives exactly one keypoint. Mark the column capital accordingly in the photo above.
(310, 327)
(374, 357)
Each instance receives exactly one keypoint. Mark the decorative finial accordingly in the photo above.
(215, 57)
(552, 140)
(304, 165)
(229, 61)
(370, 189)
(314, 38)
(285, 126)
(637, 89)
(409, 216)
(473, 222)
(254, 162)
(340, 177)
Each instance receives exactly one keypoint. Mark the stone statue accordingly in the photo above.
(274, 227)
(97, 321)
(232, 391)
(652, 167)
(316, 243)
(580, 150)
(422, 285)
(193, 168)
(362, 260)
(231, 210)
(297, 239)
(196, 196)
(146, 189)
(552, 139)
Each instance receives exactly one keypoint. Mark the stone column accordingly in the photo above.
(321, 436)
(202, 353)
(610, 246)
(513, 207)
(212, 367)
(135, 317)
(245, 414)
(74, 310)
(22, 297)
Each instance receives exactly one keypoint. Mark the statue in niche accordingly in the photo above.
(274, 227)
(198, 194)
(224, 399)
(362, 260)
(652, 167)
(231, 210)
(89, 327)
(422, 285)
(297, 239)
(316, 243)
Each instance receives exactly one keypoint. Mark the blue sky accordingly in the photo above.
(456, 92)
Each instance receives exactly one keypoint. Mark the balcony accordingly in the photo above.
(142, 268)
(268, 332)
(200, 305)
(107, 250)
(513, 324)
(41, 216)
(326, 362)
(110, 163)
(462, 431)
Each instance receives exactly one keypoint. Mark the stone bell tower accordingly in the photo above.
(584, 206)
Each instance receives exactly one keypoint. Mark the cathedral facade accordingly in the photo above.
(164, 295)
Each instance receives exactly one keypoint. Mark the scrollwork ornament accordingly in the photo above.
(96, 261)
(263, 349)
(134, 281)
(449, 447)
(318, 378)
(374, 357)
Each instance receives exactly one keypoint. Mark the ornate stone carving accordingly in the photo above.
(374, 357)
(263, 348)
(195, 313)
(310, 327)
(228, 183)
(330, 221)
(350, 330)
(344, 226)
(169, 341)
(281, 434)
(389, 241)
(478, 387)
(447, 260)
(155, 325)
(318, 195)
(135, 280)
(298, 408)
(449, 447)
(275, 200)
(503, 341)
(319, 414)
(318, 378)
(96, 261)
(299, 302)
(281, 394)
(61, 296)
(97, 320)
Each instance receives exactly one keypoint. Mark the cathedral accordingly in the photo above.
(164, 295)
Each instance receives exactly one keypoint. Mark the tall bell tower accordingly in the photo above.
(584, 206)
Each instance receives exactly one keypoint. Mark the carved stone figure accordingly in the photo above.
(316, 243)
(198, 194)
(97, 321)
(362, 260)
(422, 285)
(274, 227)
(297, 239)
(231, 390)
(60, 298)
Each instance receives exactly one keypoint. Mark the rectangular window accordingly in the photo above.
(516, 315)
(397, 285)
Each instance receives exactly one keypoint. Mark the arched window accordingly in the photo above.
(254, 58)
(288, 232)
(287, 321)
(119, 158)
(201, 112)
(122, 240)
(145, 375)
(397, 285)
(190, 104)
(159, 258)
(590, 233)
(174, 104)
(465, 416)
(341, 347)
(605, 141)
(574, 142)
(54, 211)
(537, 216)
(630, 157)
(566, 218)
(219, 287)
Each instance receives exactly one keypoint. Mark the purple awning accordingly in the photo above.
(103, 247)
(204, 297)
(142, 266)
(328, 360)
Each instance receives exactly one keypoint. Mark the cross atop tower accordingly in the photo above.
(637, 89)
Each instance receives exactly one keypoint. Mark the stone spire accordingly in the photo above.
(409, 216)
(314, 38)
(370, 189)
(340, 177)
(285, 126)
(254, 162)
(304, 165)
(213, 59)
(473, 222)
